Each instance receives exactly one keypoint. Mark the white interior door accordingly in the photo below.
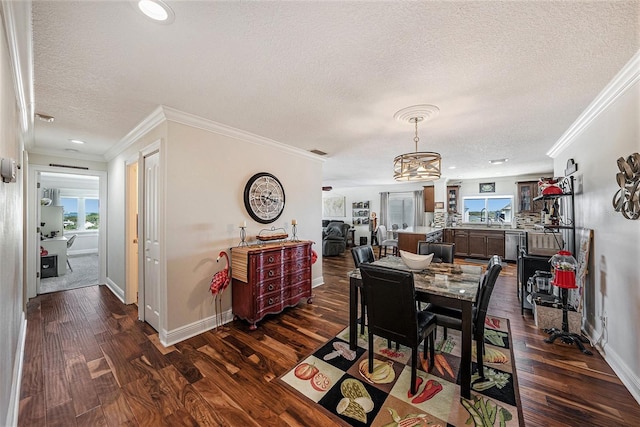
(151, 241)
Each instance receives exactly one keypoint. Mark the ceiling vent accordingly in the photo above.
(327, 188)
(318, 152)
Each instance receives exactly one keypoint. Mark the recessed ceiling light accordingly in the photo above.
(157, 10)
(45, 117)
(498, 161)
(452, 167)
(71, 150)
(77, 141)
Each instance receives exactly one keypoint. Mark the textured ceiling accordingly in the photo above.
(509, 77)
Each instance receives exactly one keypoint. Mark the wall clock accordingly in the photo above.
(264, 197)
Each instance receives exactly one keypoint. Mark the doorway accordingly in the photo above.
(68, 213)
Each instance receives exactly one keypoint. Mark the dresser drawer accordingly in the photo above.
(298, 291)
(295, 253)
(268, 273)
(298, 276)
(267, 259)
(271, 303)
(269, 286)
(295, 265)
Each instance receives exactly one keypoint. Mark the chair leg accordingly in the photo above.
(69, 265)
(432, 351)
(362, 314)
(414, 367)
(444, 328)
(480, 356)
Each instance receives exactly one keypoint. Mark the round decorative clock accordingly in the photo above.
(264, 197)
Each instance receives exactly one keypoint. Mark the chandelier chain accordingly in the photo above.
(416, 138)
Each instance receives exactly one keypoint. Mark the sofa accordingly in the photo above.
(334, 238)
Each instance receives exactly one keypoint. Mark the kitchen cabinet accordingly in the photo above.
(479, 243)
(447, 235)
(461, 239)
(408, 239)
(268, 278)
(527, 192)
(453, 194)
(428, 196)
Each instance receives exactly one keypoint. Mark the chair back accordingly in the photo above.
(362, 254)
(442, 252)
(484, 295)
(381, 234)
(391, 303)
(71, 240)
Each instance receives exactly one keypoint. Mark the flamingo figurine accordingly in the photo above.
(219, 283)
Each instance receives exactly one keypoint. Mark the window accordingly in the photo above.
(401, 209)
(496, 209)
(81, 213)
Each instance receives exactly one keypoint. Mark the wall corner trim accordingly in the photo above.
(618, 86)
(115, 290)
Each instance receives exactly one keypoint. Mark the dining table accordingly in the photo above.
(449, 285)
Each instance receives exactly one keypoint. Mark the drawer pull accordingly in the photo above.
(270, 287)
(270, 301)
(271, 259)
(271, 273)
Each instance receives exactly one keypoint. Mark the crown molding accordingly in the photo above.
(67, 154)
(156, 117)
(17, 17)
(626, 77)
(164, 113)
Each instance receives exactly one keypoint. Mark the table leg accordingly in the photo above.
(353, 313)
(465, 363)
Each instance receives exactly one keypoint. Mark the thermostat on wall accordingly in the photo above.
(8, 170)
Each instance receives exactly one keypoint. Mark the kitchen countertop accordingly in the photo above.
(485, 228)
(418, 230)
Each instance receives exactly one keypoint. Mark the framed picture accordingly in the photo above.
(487, 187)
(439, 205)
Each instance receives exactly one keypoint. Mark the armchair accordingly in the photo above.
(334, 238)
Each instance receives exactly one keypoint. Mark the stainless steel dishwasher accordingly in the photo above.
(511, 242)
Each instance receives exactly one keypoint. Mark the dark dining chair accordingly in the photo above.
(452, 318)
(362, 254)
(442, 252)
(392, 313)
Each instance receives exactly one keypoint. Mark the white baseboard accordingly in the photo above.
(317, 282)
(115, 289)
(622, 370)
(168, 338)
(630, 380)
(14, 399)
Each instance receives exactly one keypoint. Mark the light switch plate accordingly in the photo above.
(8, 170)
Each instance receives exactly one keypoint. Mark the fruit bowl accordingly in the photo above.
(415, 261)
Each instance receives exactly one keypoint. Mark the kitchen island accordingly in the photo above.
(409, 237)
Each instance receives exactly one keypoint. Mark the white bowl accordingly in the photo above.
(415, 261)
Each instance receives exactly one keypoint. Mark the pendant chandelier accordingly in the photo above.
(419, 165)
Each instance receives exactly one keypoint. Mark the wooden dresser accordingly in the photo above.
(267, 279)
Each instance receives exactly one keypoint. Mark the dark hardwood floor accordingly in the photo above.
(89, 362)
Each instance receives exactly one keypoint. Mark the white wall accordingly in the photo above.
(12, 304)
(614, 289)
(205, 172)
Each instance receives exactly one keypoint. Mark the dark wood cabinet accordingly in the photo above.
(269, 278)
(479, 243)
(428, 197)
(527, 192)
(453, 195)
(447, 235)
(461, 239)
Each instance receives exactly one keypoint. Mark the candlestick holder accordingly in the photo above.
(243, 237)
(294, 231)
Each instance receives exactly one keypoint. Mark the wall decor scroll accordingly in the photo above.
(627, 198)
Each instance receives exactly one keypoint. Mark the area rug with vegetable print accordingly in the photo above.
(338, 379)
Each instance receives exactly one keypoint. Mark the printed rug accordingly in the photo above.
(338, 379)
